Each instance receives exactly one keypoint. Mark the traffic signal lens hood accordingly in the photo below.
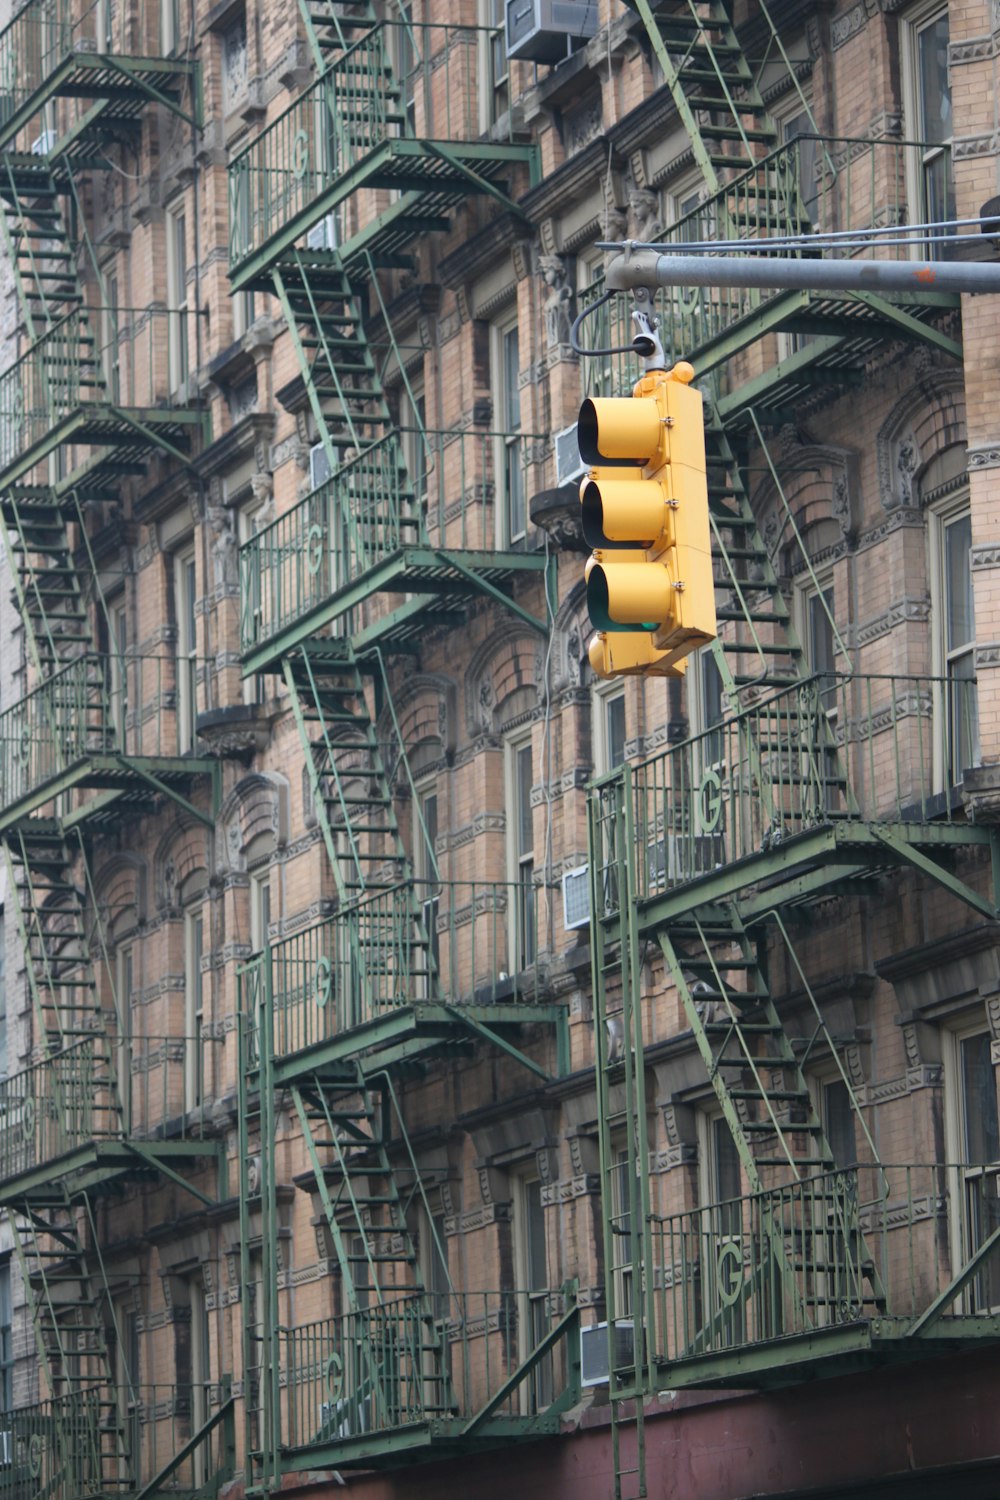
(623, 430)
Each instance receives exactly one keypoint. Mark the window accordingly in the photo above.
(928, 114)
(187, 641)
(117, 647)
(798, 128)
(201, 1375)
(622, 1237)
(124, 1349)
(511, 500)
(520, 847)
(425, 867)
(170, 26)
(705, 708)
(4, 1062)
(413, 427)
(434, 1262)
(609, 728)
(260, 909)
(495, 67)
(531, 1272)
(954, 640)
(234, 63)
(721, 1188)
(6, 1340)
(125, 986)
(110, 365)
(177, 297)
(974, 1142)
(194, 1008)
(834, 1103)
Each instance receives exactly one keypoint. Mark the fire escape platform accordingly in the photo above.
(96, 1165)
(432, 1441)
(108, 773)
(824, 1353)
(433, 574)
(125, 86)
(843, 331)
(434, 172)
(129, 431)
(408, 1031)
(805, 867)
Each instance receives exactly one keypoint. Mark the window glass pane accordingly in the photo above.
(821, 646)
(935, 90)
(525, 837)
(726, 1162)
(958, 543)
(534, 1237)
(614, 709)
(511, 371)
(979, 1101)
(838, 1121)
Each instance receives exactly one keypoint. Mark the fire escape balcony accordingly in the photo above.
(55, 49)
(122, 393)
(864, 1265)
(100, 1106)
(372, 527)
(117, 725)
(409, 968)
(407, 1380)
(400, 109)
(812, 185)
(184, 1435)
(815, 789)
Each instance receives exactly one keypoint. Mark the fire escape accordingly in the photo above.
(92, 743)
(716, 852)
(337, 593)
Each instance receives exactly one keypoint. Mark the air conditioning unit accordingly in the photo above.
(594, 1351)
(680, 857)
(344, 1418)
(541, 30)
(319, 465)
(569, 464)
(325, 235)
(576, 897)
(43, 144)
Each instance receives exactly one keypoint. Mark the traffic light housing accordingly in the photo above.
(650, 590)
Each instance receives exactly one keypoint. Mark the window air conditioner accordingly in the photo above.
(344, 1418)
(325, 235)
(594, 1351)
(681, 857)
(540, 30)
(319, 465)
(569, 464)
(576, 897)
(44, 143)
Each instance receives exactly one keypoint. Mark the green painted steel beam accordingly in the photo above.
(909, 854)
(909, 327)
(768, 318)
(555, 1335)
(155, 1159)
(466, 1018)
(453, 560)
(752, 391)
(374, 170)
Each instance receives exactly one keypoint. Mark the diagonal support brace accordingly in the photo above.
(489, 1035)
(920, 861)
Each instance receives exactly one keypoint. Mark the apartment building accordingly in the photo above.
(431, 1068)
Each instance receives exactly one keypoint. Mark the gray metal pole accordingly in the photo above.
(647, 268)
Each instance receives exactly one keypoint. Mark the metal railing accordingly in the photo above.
(99, 705)
(820, 183)
(824, 1253)
(39, 38)
(136, 358)
(827, 749)
(103, 1088)
(401, 79)
(445, 942)
(445, 494)
(418, 1358)
(78, 1444)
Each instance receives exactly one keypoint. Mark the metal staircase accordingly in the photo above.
(713, 84)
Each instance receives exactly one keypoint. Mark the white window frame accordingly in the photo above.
(604, 695)
(187, 644)
(939, 517)
(201, 1373)
(260, 908)
(178, 353)
(194, 1006)
(125, 978)
(916, 20)
(951, 1043)
(508, 443)
(523, 938)
(495, 93)
(532, 1310)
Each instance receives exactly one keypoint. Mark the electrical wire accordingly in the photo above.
(939, 231)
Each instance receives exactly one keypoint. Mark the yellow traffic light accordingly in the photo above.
(645, 513)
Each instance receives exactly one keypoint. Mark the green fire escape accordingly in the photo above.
(336, 595)
(93, 741)
(715, 853)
